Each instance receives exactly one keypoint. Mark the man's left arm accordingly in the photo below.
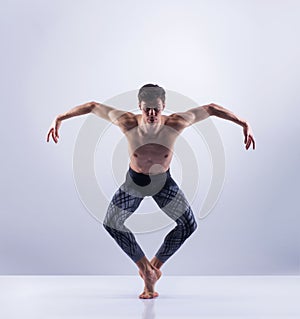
(197, 114)
(226, 114)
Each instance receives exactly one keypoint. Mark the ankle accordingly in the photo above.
(155, 262)
(144, 265)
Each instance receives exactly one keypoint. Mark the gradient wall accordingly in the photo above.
(243, 55)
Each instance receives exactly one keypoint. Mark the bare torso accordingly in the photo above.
(151, 152)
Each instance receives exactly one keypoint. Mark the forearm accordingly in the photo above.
(223, 113)
(78, 110)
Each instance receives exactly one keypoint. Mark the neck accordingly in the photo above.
(150, 128)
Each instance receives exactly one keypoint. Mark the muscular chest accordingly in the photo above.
(151, 145)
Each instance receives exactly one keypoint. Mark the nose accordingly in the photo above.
(152, 112)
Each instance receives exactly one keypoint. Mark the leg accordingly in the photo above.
(173, 202)
(123, 205)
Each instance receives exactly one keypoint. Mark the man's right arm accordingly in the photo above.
(100, 110)
(120, 118)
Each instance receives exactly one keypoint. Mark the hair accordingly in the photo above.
(150, 92)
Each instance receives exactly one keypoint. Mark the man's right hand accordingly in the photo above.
(53, 130)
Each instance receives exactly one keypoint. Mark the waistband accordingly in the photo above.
(145, 179)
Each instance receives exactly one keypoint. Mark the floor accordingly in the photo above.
(43, 297)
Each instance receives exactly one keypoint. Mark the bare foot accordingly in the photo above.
(150, 278)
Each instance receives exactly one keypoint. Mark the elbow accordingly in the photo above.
(92, 106)
(210, 109)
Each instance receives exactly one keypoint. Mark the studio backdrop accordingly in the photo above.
(242, 55)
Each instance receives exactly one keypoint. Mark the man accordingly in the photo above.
(151, 137)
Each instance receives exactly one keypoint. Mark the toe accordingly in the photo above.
(148, 295)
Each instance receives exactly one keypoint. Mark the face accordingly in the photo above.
(151, 110)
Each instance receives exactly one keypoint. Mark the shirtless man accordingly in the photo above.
(151, 137)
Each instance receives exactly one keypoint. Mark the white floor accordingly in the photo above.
(44, 297)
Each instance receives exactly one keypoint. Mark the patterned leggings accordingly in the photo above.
(169, 198)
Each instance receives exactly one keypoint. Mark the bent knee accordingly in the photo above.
(187, 228)
(105, 225)
(191, 228)
(189, 224)
(112, 224)
(194, 226)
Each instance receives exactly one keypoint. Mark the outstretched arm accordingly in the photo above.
(194, 115)
(221, 112)
(78, 110)
(117, 117)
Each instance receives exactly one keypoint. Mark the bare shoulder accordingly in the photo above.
(178, 121)
(128, 121)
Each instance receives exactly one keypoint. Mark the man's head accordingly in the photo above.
(151, 102)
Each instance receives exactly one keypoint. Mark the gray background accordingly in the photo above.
(243, 55)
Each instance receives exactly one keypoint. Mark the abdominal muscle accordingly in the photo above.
(151, 159)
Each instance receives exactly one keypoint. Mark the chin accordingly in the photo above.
(152, 122)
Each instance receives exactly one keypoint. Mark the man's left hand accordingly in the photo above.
(249, 139)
